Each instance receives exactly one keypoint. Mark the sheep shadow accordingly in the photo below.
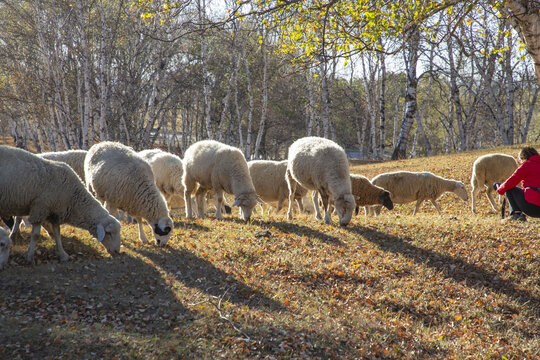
(46, 249)
(472, 275)
(196, 272)
(53, 309)
(190, 225)
(297, 229)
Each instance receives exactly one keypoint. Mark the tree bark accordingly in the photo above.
(411, 61)
(526, 14)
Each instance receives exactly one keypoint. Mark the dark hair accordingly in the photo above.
(527, 152)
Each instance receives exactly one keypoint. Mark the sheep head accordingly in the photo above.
(162, 230)
(247, 202)
(345, 205)
(461, 191)
(108, 233)
(386, 200)
(5, 248)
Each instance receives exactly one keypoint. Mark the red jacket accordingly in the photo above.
(528, 173)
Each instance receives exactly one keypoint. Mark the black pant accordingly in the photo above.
(516, 199)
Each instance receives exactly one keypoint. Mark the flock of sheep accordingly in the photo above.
(86, 188)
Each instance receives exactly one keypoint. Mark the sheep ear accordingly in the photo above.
(238, 200)
(100, 233)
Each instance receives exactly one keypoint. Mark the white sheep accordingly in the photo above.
(74, 158)
(223, 168)
(125, 181)
(321, 164)
(489, 169)
(270, 181)
(5, 247)
(406, 187)
(51, 194)
(168, 170)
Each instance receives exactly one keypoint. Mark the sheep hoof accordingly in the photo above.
(64, 258)
(30, 259)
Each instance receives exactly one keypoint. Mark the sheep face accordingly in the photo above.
(386, 200)
(108, 233)
(5, 248)
(247, 202)
(162, 230)
(345, 205)
(461, 191)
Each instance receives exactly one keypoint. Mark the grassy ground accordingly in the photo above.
(396, 286)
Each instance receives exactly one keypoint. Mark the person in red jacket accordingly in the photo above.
(526, 200)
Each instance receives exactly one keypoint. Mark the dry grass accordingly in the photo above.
(395, 286)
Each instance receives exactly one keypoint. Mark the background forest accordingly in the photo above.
(156, 73)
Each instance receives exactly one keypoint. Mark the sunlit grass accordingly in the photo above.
(394, 286)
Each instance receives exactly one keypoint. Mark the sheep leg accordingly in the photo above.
(315, 200)
(291, 184)
(36, 229)
(489, 194)
(200, 197)
(279, 206)
(62, 255)
(300, 205)
(189, 187)
(219, 203)
(417, 207)
(437, 206)
(474, 193)
(142, 235)
(16, 231)
(326, 205)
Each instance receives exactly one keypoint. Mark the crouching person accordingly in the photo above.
(523, 201)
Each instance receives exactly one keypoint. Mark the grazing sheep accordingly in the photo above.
(74, 158)
(489, 169)
(223, 168)
(270, 181)
(367, 194)
(125, 181)
(406, 187)
(168, 170)
(51, 194)
(321, 164)
(5, 247)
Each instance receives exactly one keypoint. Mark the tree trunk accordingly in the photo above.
(310, 105)
(249, 129)
(264, 109)
(529, 116)
(323, 67)
(382, 105)
(411, 61)
(206, 78)
(526, 21)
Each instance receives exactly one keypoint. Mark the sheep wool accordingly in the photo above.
(125, 181)
(270, 181)
(367, 194)
(168, 170)
(320, 164)
(74, 158)
(489, 169)
(50, 193)
(223, 168)
(406, 187)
